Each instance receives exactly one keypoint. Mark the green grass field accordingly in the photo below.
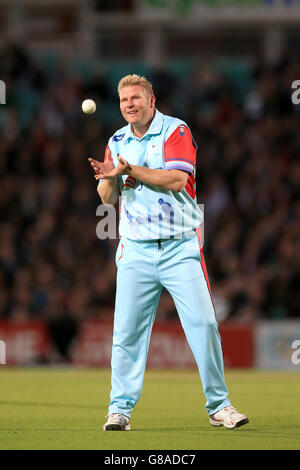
(65, 409)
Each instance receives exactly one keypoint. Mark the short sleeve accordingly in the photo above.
(180, 150)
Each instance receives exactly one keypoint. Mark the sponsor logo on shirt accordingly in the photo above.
(117, 138)
(181, 130)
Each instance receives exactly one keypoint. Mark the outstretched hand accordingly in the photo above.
(102, 167)
(107, 170)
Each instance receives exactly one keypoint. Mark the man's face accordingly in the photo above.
(137, 106)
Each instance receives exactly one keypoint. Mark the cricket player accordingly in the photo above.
(150, 163)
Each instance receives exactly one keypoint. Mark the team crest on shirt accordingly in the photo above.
(117, 138)
(181, 130)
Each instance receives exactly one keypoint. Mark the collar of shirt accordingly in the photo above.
(155, 127)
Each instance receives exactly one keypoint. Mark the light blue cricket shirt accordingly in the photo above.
(150, 212)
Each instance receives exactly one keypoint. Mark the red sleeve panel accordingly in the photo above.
(105, 153)
(180, 154)
(180, 151)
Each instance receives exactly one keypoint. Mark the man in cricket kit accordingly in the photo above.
(151, 163)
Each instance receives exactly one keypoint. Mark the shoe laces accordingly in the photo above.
(231, 409)
(116, 417)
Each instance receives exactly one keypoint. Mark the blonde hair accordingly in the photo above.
(132, 80)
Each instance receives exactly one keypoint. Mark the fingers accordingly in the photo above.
(92, 160)
(122, 160)
(95, 165)
(100, 174)
(103, 177)
(104, 171)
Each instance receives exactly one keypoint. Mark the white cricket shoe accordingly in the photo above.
(117, 422)
(228, 417)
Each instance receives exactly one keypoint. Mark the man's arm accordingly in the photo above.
(173, 180)
(108, 190)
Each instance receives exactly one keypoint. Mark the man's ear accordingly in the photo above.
(153, 99)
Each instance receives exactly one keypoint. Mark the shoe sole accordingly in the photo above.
(241, 423)
(116, 427)
(237, 425)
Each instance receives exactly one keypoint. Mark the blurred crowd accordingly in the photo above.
(54, 267)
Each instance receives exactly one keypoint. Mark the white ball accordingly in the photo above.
(88, 106)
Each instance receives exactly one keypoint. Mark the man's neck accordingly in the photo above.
(140, 131)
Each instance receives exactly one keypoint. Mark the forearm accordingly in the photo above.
(108, 191)
(172, 180)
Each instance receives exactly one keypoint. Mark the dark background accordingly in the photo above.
(230, 82)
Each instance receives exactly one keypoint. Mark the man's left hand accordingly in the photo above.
(122, 168)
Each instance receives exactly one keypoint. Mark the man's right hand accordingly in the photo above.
(102, 167)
